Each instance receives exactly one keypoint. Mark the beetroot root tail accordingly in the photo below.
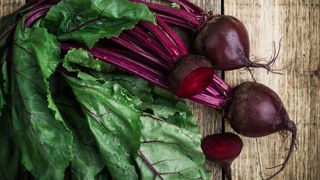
(227, 170)
(269, 62)
(293, 129)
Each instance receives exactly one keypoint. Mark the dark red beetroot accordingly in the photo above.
(222, 149)
(256, 111)
(190, 75)
(224, 40)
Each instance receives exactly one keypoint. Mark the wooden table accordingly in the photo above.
(298, 24)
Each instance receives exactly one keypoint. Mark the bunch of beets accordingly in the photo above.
(156, 53)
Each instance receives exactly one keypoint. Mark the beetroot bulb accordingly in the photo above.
(190, 75)
(225, 41)
(255, 111)
(222, 149)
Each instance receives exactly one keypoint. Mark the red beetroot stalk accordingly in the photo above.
(37, 12)
(212, 101)
(211, 90)
(164, 40)
(144, 39)
(220, 85)
(138, 58)
(124, 62)
(145, 72)
(36, 4)
(180, 13)
(33, 16)
(125, 42)
(173, 35)
(38, 9)
(188, 6)
(176, 22)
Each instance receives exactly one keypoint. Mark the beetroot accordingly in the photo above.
(256, 110)
(222, 149)
(224, 40)
(190, 75)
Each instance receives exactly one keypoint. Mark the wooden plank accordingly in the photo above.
(9, 6)
(297, 22)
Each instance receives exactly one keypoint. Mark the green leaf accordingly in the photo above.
(44, 140)
(177, 114)
(113, 118)
(3, 84)
(9, 154)
(2, 99)
(5, 78)
(136, 86)
(86, 162)
(175, 5)
(169, 151)
(6, 21)
(79, 57)
(103, 175)
(69, 20)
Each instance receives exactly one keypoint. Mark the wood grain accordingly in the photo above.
(8, 6)
(297, 22)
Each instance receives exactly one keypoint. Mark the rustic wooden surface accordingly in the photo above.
(297, 22)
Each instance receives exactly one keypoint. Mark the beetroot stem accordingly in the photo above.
(33, 16)
(176, 22)
(173, 35)
(220, 85)
(212, 101)
(124, 41)
(212, 91)
(164, 40)
(144, 39)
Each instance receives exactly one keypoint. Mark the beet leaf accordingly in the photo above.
(9, 153)
(100, 19)
(169, 151)
(42, 136)
(86, 162)
(113, 119)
